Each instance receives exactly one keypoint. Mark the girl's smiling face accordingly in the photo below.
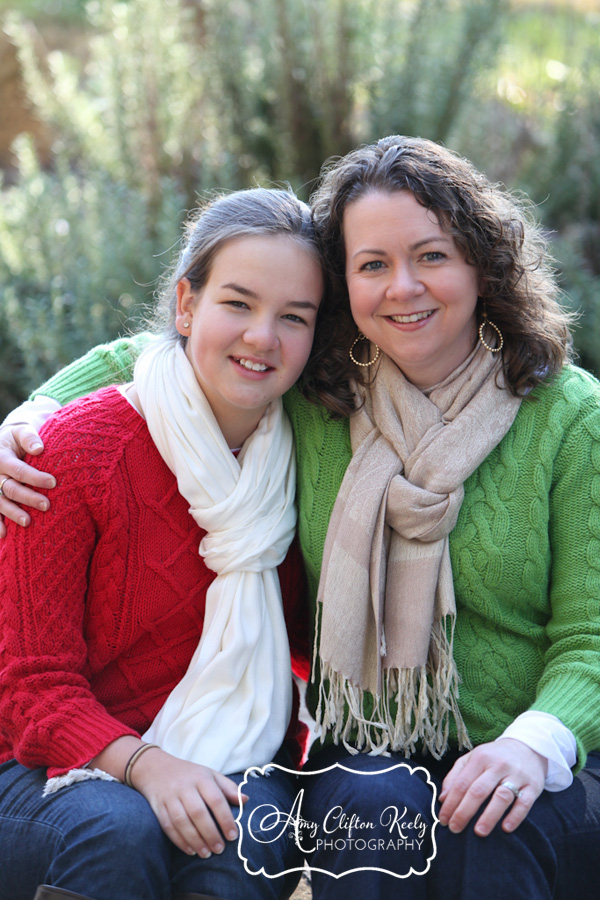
(411, 290)
(250, 328)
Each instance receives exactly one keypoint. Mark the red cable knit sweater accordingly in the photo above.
(103, 595)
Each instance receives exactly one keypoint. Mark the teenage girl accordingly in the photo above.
(144, 660)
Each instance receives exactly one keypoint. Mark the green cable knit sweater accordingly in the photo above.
(525, 550)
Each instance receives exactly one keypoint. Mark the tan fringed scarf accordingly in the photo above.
(386, 585)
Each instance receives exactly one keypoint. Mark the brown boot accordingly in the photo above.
(187, 896)
(47, 892)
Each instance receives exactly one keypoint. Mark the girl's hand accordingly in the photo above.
(481, 774)
(15, 442)
(188, 800)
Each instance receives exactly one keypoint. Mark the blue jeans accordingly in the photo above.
(101, 839)
(553, 854)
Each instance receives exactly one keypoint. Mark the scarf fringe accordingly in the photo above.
(402, 490)
(425, 697)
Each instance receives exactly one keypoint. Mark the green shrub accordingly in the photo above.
(173, 98)
(78, 263)
(582, 291)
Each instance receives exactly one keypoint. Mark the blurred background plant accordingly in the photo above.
(137, 108)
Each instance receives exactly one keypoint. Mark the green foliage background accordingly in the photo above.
(164, 100)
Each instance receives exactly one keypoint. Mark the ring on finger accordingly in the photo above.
(516, 791)
(4, 480)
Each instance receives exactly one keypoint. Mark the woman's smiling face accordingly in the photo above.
(411, 290)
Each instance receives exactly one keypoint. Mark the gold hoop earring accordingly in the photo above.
(361, 337)
(485, 322)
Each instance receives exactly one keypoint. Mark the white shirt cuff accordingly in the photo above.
(547, 735)
(32, 412)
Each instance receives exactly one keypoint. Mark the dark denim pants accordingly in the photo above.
(101, 839)
(554, 853)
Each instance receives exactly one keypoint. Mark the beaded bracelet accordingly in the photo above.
(132, 761)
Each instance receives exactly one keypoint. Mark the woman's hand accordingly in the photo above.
(188, 800)
(15, 442)
(481, 774)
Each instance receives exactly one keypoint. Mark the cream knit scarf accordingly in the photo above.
(386, 587)
(232, 708)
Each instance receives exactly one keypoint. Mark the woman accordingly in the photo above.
(459, 575)
(461, 538)
(144, 655)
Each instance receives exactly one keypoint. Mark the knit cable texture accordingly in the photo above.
(525, 557)
(103, 596)
(525, 551)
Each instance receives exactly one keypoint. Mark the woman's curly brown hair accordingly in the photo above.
(496, 232)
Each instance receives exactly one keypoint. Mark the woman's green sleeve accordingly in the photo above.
(106, 364)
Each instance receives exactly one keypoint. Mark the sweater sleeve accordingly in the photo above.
(294, 595)
(295, 608)
(570, 684)
(103, 365)
(48, 712)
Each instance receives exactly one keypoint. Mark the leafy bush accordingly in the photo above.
(77, 261)
(173, 98)
(82, 244)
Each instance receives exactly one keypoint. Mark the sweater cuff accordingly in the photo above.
(104, 365)
(81, 738)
